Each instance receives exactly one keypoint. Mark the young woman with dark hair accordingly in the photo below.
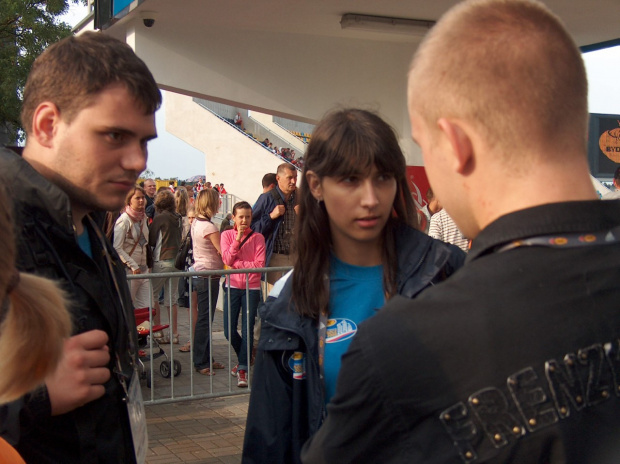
(357, 246)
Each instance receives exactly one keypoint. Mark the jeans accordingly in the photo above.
(201, 348)
(240, 303)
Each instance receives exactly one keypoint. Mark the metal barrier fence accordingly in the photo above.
(175, 385)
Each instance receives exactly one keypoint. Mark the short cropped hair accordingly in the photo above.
(71, 72)
(510, 68)
(269, 179)
(285, 167)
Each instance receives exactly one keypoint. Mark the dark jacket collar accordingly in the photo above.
(420, 260)
(553, 218)
(34, 191)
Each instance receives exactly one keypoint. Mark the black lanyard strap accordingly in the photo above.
(566, 240)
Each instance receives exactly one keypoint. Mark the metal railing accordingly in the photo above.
(178, 388)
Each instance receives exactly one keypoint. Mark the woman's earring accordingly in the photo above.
(319, 201)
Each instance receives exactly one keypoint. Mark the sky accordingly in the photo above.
(170, 157)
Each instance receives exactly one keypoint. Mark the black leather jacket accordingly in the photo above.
(284, 413)
(98, 432)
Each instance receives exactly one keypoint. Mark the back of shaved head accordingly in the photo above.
(510, 68)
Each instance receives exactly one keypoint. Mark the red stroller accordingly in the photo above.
(142, 315)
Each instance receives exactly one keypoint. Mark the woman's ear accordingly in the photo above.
(314, 184)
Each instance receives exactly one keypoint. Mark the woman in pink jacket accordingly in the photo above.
(242, 248)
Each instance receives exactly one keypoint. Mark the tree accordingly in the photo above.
(27, 27)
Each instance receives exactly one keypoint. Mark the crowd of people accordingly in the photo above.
(382, 344)
(287, 154)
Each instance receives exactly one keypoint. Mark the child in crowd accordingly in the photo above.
(242, 248)
(34, 324)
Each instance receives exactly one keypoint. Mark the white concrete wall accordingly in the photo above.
(230, 157)
(241, 69)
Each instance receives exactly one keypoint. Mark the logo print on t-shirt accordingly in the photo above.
(297, 363)
(340, 329)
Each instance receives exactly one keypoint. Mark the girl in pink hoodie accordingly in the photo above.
(242, 248)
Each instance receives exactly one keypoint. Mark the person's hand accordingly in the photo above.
(278, 211)
(81, 373)
(296, 208)
(135, 271)
(240, 230)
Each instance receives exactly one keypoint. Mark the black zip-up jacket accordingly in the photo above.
(283, 413)
(513, 360)
(98, 432)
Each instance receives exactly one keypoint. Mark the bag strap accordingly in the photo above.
(246, 238)
(137, 240)
(134, 247)
(276, 196)
(188, 237)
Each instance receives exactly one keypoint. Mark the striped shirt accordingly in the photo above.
(443, 228)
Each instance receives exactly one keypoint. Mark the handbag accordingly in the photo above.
(181, 259)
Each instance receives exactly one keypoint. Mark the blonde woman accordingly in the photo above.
(131, 235)
(207, 257)
(33, 326)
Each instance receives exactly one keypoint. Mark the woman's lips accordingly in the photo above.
(367, 222)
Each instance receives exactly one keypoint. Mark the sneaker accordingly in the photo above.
(233, 371)
(242, 379)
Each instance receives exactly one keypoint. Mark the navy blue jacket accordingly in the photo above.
(262, 222)
(283, 413)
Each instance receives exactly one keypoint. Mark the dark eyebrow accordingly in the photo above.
(124, 131)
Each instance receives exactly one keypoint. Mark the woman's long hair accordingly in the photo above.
(207, 203)
(181, 199)
(34, 320)
(345, 142)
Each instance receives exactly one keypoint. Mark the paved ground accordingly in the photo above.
(199, 431)
(204, 430)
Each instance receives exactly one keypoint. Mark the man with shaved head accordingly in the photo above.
(515, 358)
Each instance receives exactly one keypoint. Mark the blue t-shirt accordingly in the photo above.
(355, 294)
(84, 242)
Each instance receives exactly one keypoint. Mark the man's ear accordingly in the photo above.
(314, 184)
(45, 119)
(459, 140)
